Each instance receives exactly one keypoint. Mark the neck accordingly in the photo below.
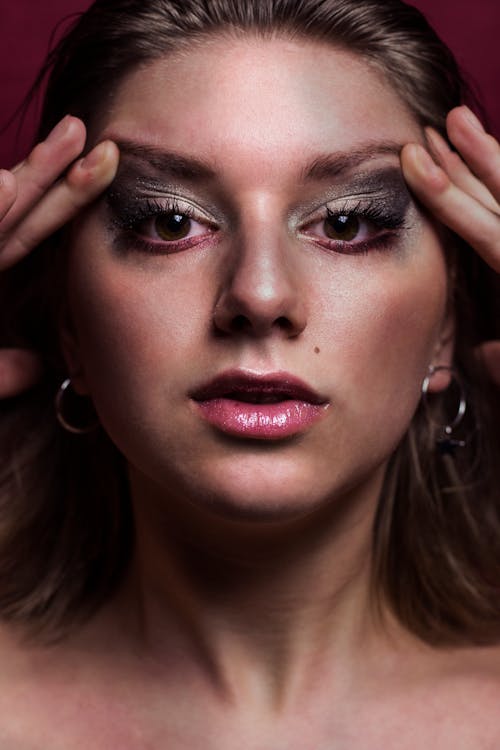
(260, 607)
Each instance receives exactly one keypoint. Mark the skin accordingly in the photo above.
(294, 295)
(252, 598)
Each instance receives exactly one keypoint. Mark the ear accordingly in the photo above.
(443, 354)
(70, 349)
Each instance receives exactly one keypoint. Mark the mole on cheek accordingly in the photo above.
(316, 349)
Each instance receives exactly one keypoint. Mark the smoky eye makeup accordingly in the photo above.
(371, 211)
(145, 214)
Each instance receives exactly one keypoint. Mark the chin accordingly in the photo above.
(255, 482)
(260, 491)
(248, 504)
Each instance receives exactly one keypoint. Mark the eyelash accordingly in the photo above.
(386, 222)
(128, 220)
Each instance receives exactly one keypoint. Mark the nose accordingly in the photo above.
(262, 291)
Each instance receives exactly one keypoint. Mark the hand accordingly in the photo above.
(463, 191)
(37, 197)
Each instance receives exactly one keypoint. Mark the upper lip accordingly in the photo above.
(232, 383)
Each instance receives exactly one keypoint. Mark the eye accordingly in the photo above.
(339, 229)
(355, 229)
(158, 225)
(171, 226)
(344, 227)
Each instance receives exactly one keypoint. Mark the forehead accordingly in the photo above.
(238, 99)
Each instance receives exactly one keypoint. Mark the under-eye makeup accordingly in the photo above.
(157, 225)
(148, 216)
(361, 213)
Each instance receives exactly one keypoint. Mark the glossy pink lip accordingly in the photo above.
(263, 407)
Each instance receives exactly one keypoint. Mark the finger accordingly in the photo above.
(490, 354)
(83, 183)
(20, 369)
(479, 226)
(8, 191)
(458, 171)
(480, 150)
(43, 167)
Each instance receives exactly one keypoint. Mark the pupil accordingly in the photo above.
(172, 226)
(341, 227)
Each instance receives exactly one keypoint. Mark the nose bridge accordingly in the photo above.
(261, 267)
(261, 290)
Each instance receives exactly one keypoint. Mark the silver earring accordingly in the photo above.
(445, 443)
(63, 407)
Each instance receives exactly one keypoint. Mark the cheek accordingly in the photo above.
(144, 328)
(385, 331)
(136, 329)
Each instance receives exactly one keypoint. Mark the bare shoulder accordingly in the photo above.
(416, 695)
(466, 699)
(46, 700)
(472, 678)
(456, 700)
(58, 698)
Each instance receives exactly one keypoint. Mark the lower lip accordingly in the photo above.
(261, 421)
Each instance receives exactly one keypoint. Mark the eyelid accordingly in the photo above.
(144, 226)
(344, 205)
(129, 192)
(172, 202)
(377, 217)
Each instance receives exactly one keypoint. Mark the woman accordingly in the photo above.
(266, 532)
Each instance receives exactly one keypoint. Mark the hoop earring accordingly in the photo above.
(59, 402)
(446, 445)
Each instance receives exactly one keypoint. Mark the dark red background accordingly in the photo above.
(470, 27)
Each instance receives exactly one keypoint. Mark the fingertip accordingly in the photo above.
(408, 151)
(489, 351)
(70, 129)
(97, 169)
(108, 163)
(410, 158)
(102, 157)
(463, 117)
(418, 165)
(455, 112)
(76, 128)
(463, 125)
(435, 142)
(111, 153)
(20, 369)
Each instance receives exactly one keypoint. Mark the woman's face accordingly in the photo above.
(259, 233)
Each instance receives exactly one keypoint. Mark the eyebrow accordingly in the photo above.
(329, 166)
(177, 165)
(326, 166)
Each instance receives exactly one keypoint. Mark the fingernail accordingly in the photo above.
(425, 163)
(472, 119)
(95, 156)
(59, 130)
(436, 141)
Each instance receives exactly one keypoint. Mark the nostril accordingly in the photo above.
(284, 323)
(240, 323)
